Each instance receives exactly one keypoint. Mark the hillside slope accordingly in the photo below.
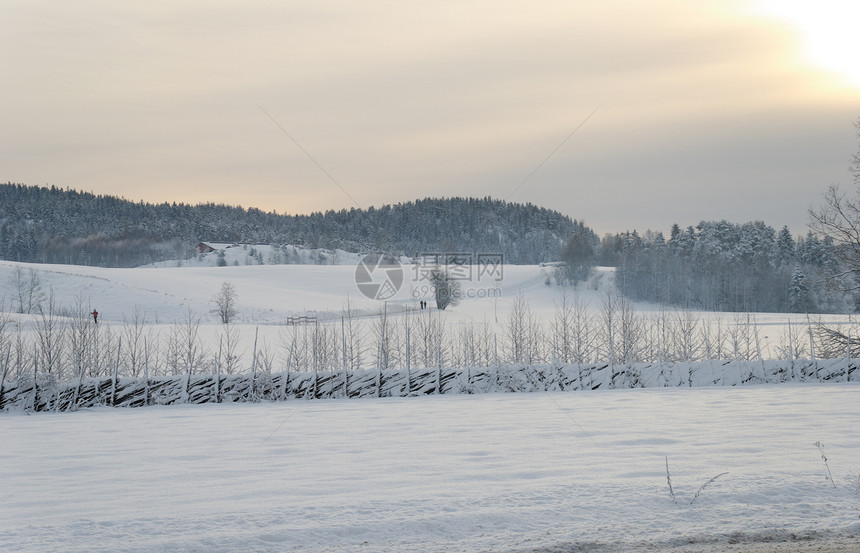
(52, 225)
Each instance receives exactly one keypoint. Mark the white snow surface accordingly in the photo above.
(268, 294)
(548, 472)
(538, 472)
(259, 254)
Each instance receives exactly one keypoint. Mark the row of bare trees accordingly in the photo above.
(66, 344)
(616, 333)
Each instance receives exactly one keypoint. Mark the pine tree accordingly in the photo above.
(786, 249)
(798, 293)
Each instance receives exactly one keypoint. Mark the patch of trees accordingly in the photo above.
(722, 266)
(63, 344)
(52, 225)
(579, 253)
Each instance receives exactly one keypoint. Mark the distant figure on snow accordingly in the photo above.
(95, 315)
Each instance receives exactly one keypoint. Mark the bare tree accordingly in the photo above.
(5, 327)
(189, 351)
(23, 352)
(297, 344)
(792, 343)
(832, 342)
(447, 289)
(479, 337)
(687, 340)
(572, 338)
(353, 338)
(516, 329)
(429, 338)
(741, 338)
(839, 218)
(408, 351)
(583, 335)
(609, 326)
(27, 290)
(225, 302)
(51, 335)
(315, 346)
(153, 355)
(562, 329)
(714, 337)
(631, 332)
(19, 289)
(325, 347)
(134, 338)
(461, 356)
(173, 352)
(383, 329)
(855, 159)
(622, 333)
(265, 362)
(228, 345)
(35, 292)
(80, 334)
(523, 333)
(102, 350)
(660, 335)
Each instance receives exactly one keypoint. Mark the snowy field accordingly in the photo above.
(536, 472)
(269, 294)
(505, 473)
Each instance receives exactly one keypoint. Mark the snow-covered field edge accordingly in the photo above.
(43, 393)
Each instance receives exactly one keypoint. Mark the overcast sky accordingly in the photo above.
(682, 110)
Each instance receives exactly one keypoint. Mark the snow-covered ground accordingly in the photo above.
(542, 472)
(269, 294)
(548, 472)
(266, 293)
(261, 254)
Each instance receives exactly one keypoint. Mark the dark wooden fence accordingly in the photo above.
(43, 393)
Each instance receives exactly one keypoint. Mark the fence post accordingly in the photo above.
(315, 356)
(408, 360)
(218, 375)
(379, 373)
(382, 356)
(287, 374)
(496, 360)
(254, 366)
(439, 366)
(145, 373)
(33, 396)
(5, 368)
(343, 357)
(74, 405)
(812, 348)
(115, 371)
(792, 356)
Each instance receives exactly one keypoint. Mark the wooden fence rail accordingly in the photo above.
(43, 393)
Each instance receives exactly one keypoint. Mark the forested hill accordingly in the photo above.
(52, 225)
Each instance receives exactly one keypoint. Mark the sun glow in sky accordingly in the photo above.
(827, 30)
(726, 109)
